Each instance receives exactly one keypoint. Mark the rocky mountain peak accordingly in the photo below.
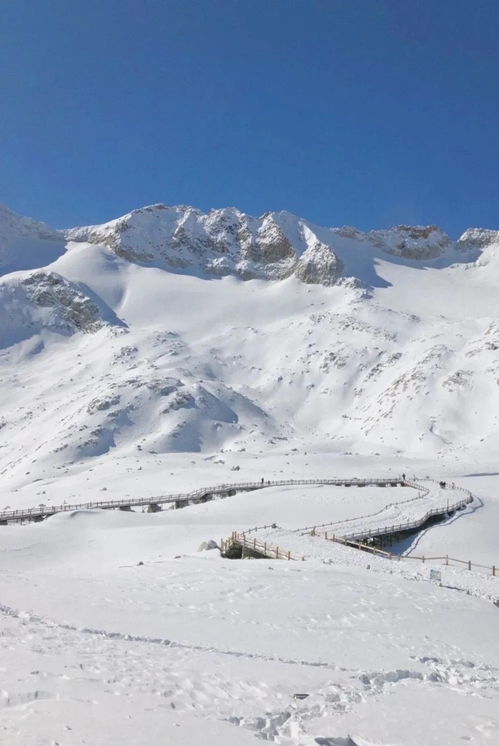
(478, 238)
(412, 241)
(220, 242)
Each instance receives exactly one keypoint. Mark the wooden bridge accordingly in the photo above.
(245, 544)
(249, 544)
(183, 499)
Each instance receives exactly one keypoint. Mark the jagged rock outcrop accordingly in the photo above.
(219, 243)
(318, 264)
(478, 238)
(412, 242)
(66, 302)
(274, 246)
(45, 301)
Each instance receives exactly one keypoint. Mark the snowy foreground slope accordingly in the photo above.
(170, 349)
(114, 629)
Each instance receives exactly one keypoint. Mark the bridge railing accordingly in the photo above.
(394, 528)
(48, 510)
(259, 547)
(408, 525)
(444, 559)
(422, 493)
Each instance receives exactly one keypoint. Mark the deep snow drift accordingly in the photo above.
(169, 349)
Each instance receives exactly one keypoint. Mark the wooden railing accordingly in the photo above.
(272, 551)
(268, 550)
(384, 530)
(422, 493)
(44, 511)
(408, 525)
(446, 560)
(257, 546)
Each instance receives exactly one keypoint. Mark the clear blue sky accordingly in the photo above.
(363, 112)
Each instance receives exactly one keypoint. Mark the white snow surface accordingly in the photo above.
(106, 354)
(115, 620)
(171, 349)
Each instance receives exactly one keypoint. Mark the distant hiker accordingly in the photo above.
(403, 477)
(263, 480)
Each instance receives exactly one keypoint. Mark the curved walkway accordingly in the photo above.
(183, 499)
(431, 500)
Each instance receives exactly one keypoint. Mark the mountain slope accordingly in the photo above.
(144, 337)
(274, 246)
(25, 243)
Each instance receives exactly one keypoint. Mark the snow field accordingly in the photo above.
(186, 638)
(135, 360)
(236, 641)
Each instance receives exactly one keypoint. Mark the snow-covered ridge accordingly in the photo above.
(227, 241)
(273, 246)
(221, 242)
(26, 243)
(13, 226)
(412, 242)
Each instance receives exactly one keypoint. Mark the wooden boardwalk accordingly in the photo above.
(248, 543)
(183, 499)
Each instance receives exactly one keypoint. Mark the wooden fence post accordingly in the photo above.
(446, 559)
(277, 553)
(289, 555)
(493, 569)
(469, 564)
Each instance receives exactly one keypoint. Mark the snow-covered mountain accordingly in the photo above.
(170, 330)
(272, 247)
